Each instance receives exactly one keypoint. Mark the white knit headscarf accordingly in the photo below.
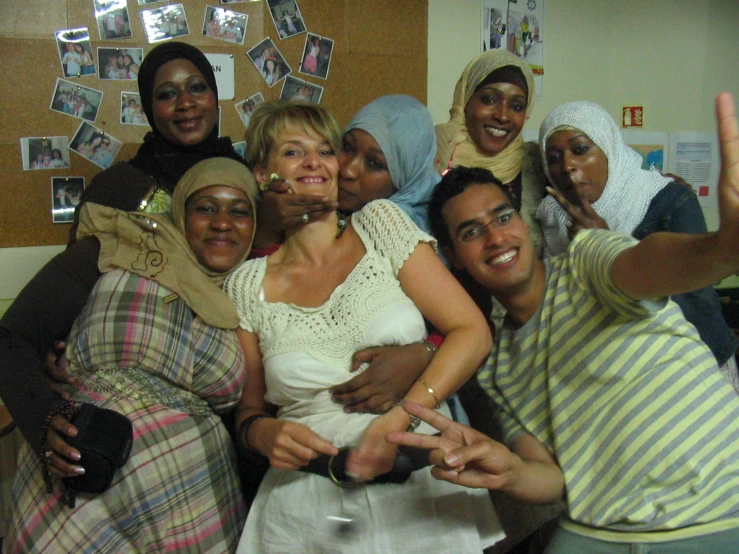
(629, 188)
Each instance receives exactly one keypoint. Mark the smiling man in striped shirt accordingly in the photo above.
(607, 397)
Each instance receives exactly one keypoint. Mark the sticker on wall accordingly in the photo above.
(65, 196)
(75, 52)
(286, 17)
(316, 56)
(95, 145)
(112, 19)
(165, 23)
(297, 90)
(76, 100)
(44, 153)
(246, 108)
(119, 63)
(223, 24)
(131, 111)
(632, 116)
(269, 62)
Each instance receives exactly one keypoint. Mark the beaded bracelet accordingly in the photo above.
(244, 430)
(432, 393)
(429, 346)
(67, 410)
(415, 420)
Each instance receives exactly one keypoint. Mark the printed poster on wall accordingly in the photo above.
(516, 26)
(651, 146)
(695, 158)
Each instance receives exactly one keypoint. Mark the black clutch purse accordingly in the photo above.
(104, 439)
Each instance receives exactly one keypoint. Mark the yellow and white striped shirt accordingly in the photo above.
(627, 398)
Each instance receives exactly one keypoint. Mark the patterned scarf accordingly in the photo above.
(155, 246)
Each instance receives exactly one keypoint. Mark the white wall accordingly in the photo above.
(18, 265)
(672, 56)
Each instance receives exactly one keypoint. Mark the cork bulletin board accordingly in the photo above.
(380, 47)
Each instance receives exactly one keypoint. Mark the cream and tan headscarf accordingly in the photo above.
(455, 147)
(155, 246)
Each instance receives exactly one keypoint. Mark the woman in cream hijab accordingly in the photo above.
(492, 100)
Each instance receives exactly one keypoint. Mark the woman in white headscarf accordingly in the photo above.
(599, 183)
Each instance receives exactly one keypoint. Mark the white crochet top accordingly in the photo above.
(308, 350)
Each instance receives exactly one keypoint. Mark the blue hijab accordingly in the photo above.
(403, 128)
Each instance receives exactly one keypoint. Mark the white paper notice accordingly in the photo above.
(223, 68)
(694, 157)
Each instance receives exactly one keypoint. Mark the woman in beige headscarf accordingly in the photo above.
(492, 100)
(156, 343)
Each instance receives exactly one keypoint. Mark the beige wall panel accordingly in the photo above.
(32, 18)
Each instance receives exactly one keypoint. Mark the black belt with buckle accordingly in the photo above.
(407, 460)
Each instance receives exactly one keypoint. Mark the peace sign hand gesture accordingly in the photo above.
(582, 216)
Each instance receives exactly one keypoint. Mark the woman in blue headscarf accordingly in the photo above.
(388, 152)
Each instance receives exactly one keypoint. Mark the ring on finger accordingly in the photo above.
(305, 217)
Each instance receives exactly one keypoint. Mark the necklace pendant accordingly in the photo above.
(341, 224)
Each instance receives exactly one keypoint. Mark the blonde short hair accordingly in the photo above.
(270, 118)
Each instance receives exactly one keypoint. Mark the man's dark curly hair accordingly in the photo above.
(453, 183)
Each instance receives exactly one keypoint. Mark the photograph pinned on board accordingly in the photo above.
(144, 2)
(269, 62)
(44, 153)
(75, 52)
(246, 108)
(120, 64)
(131, 111)
(316, 56)
(95, 145)
(113, 19)
(76, 100)
(297, 90)
(165, 23)
(286, 17)
(240, 148)
(223, 24)
(240, 1)
(65, 196)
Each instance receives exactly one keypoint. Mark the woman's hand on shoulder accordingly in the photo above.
(391, 372)
(679, 180)
(287, 444)
(60, 461)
